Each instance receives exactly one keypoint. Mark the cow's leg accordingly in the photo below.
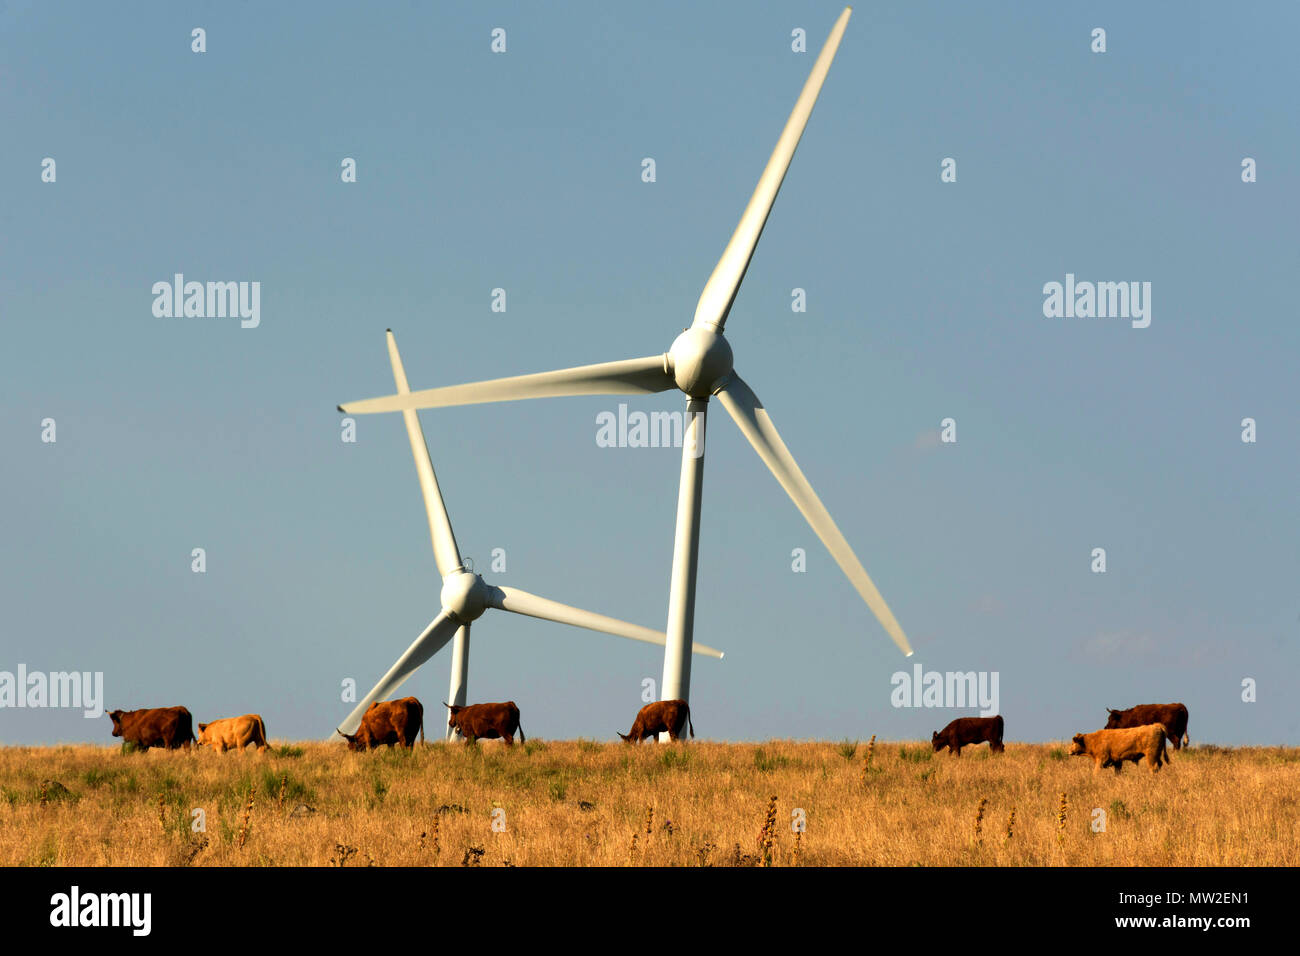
(509, 739)
(1119, 766)
(957, 750)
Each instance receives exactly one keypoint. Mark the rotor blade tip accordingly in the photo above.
(909, 653)
(721, 655)
(389, 331)
(339, 407)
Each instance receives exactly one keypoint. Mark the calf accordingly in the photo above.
(236, 732)
(663, 716)
(969, 730)
(1110, 748)
(488, 721)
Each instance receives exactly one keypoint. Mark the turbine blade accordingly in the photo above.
(522, 602)
(642, 376)
(743, 405)
(440, 630)
(445, 552)
(720, 291)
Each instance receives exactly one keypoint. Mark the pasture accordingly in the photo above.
(576, 803)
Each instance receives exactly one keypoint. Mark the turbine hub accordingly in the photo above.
(465, 595)
(700, 358)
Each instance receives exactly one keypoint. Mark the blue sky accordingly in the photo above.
(522, 171)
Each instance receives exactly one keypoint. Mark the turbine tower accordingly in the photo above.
(465, 596)
(700, 364)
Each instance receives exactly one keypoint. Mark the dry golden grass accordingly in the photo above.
(581, 803)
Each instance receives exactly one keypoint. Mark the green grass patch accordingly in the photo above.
(915, 754)
(766, 763)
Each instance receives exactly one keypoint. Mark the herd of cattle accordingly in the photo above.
(1128, 735)
(388, 723)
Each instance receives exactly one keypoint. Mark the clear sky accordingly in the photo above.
(523, 171)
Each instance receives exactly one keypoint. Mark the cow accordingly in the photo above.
(388, 722)
(167, 727)
(1173, 717)
(236, 732)
(663, 716)
(969, 730)
(488, 721)
(1110, 748)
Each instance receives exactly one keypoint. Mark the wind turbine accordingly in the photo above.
(700, 364)
(465, 595)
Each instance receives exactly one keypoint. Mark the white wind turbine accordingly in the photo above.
(465, 595)
(699, 363)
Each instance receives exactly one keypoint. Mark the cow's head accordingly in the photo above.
(1078, 746)
(1112, 722)
(453, 714)
(355, 741)
(936, 741)
(116, 717)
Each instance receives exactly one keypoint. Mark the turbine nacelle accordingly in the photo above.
(700, 361)
(465, 595)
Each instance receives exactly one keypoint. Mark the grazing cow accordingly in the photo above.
(1173, 717)
(168, 727)
(970, 730)
(236, 732)
(663, 716)
(388, 722)
(1110, 748)
(488, 721)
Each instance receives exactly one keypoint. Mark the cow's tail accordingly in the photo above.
(422, 740)
(261, 726)
(688, 721)
(520, 727)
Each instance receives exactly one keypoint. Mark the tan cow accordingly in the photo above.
(236, 732)
(1110, 748)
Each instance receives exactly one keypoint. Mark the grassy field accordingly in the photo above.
(566, 803)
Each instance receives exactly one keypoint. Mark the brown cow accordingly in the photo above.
(388, 722)
(236, 732)
(488, 721)
(663, 716)
(167, 727)
(969, 730)
(1173, 717)
(1110, 748)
